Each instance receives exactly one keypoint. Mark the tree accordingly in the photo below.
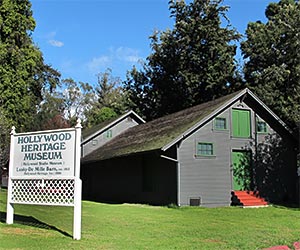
(78, 98)
(98, 115)
(109, 92)
(271, 51)
(23, 74)
(63, 105)
(51, 112)
(4, 140)
(110, 99)
(191, 64)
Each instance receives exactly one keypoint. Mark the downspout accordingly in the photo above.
(178, 177)
(178, 172)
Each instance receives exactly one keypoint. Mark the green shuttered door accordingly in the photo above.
(241, 170)
(241, 123)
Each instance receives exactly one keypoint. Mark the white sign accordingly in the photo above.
(44, 154)
(44, 169)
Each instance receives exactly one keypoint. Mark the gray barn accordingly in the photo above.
(97, 136)
(199, 156)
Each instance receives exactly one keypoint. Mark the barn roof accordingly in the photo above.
(158, 133)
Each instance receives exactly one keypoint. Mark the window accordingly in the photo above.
(205, 149)
(195, 202)
(108, 134)
(261, 127)
(220, 123)
(241, 123)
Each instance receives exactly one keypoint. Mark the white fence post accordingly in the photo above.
(10, 206)
(78, 186)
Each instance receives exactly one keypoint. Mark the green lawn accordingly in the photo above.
(128, 226)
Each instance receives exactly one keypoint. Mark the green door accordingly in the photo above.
(241, 123)
(241, 170)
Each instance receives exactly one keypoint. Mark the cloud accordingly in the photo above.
(50, 37)
(56, 43)
(114, 58)
(127, 54)
(99, 62)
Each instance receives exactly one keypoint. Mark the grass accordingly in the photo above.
(126, 226)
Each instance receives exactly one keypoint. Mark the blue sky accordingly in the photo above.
(81, 38)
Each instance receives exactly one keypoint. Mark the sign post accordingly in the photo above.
(10, 206)
(78, 188)
(44, 169)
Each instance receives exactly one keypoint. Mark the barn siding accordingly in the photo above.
(149, 178)
(101, 138)
(121, 180)
(210, 178)
(205, 177)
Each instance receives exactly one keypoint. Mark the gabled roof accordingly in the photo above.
(92, 132)
(164, 132)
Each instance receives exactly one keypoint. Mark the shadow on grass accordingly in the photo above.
(294, 207)
(31, 221)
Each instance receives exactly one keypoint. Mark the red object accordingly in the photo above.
(296, 245)
(278, 248)
(249, 198)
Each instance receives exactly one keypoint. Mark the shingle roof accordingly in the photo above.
(157, 133)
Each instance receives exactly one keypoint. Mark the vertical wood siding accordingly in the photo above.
(210, 177)
(101, 138)
(121, 180)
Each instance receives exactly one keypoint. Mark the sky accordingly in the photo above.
(82, 38)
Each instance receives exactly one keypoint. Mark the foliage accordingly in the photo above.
(109, 92)
(78, 99)
(4, 140)
(272, 67)
(273, 177)
(23, 74)
(51, 112)
(109, 99)
(129, 226)
(98, 115)
(63, 105)
(191, 64)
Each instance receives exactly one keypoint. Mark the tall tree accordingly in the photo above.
(4, 140)
(62, 106)
(51, 111)
(190, 64)
(78, 98)
(110, 99)
(272, 67)
(23, 74)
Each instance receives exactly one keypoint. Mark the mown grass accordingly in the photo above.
(125, 226)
